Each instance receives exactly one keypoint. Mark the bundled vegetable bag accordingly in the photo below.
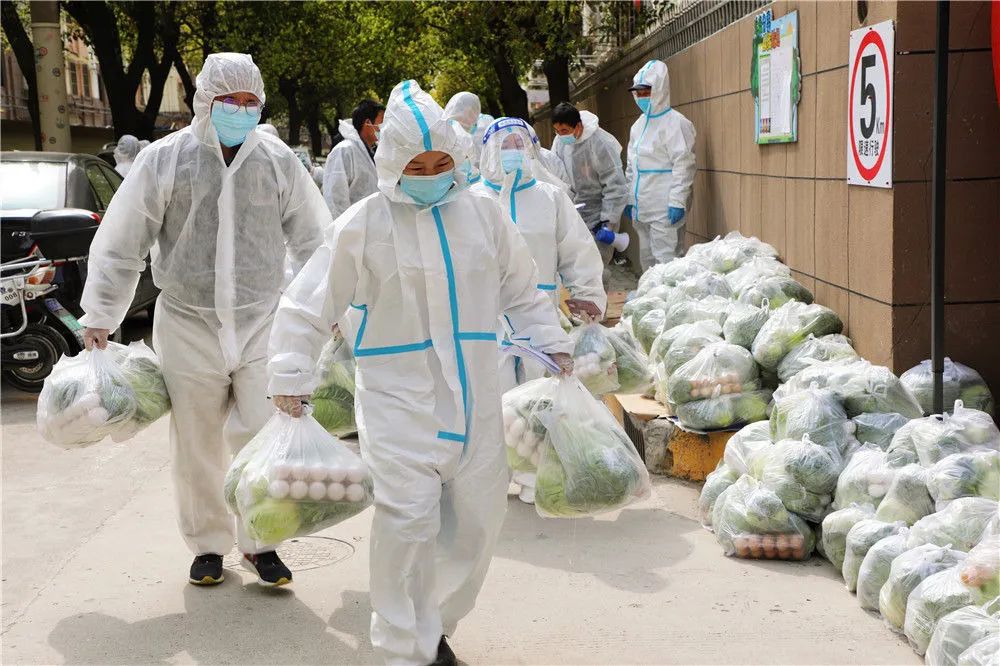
(634, 375)
(960, 383)
(788, 327)
(722, 411)
(863, 388)
(803, 475)
(721, 367)
(878, 428)
(755, 270)
(865, 480)
(113, 392)
(975, 474)
(524, 431)
(860, 539)
(638, 308)
(981, 569)
(594, 360)
(814, 412)
(907, 498)
(815, 350)
(902, 451)
(333, 399)
(875, 568)
(906, 573)
(297, 479)
(703, 286)
(775, 291)
(728, 253)
(931, 600)
(751, 522)
(682, 343)
(671, 273)
(647, 328)
(935, 437)
(715, 483)
(710, 308)
(746, 445)
(960, 630)
(588, 464)
(961, 524)
(837, 525)
(744, 322)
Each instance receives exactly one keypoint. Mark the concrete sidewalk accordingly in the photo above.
(94, 572)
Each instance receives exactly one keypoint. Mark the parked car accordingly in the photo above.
(39, 181)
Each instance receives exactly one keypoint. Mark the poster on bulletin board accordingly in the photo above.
(775, 80)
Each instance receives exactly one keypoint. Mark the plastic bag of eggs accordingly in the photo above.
(725, 383)
(318, 483)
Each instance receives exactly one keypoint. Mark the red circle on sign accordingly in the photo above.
(871, 38)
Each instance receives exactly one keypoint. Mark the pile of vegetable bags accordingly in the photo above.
(333, 399)
(293, 479)
(113, 392)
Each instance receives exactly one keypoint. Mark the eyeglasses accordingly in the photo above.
(252, 108)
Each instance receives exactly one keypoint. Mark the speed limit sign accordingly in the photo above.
(870, 106)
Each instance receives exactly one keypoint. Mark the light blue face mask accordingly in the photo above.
(511, 159)
(427, 190)
(232, 128)
(642, 103)
(568, 139)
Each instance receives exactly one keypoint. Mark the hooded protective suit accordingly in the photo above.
(268, 128)
(429, 283)
(552, 170)
(661, 168)
(464, 109)
(349, 175)
(218, 236)
(125, 153)
(594, 166)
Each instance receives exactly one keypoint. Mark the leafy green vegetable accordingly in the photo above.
(755, 270)
(835, 528)
(710, 308)
(966, 430)
(934, 598)
(802, 475)
(744, 323)
(649, 327)
(715, 483)
(747, 510)
(874, 571)
(788, 327)
(961, 524)
(960, 382)
(811, 412)
(865, 479)
(815, 350)
(959, 631)
(776, 291)
(638, 308)
(878, 429)
(726, 411)
(723, 255)
(717, 369)
(745, 446)
(333, 399)
(975, 474)
(272, 521)
(907, 499)
(862, 387)
(909, 570)
(861, 537)
(634, 375)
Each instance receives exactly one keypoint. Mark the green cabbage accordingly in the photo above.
(835, 528)
(860, 539)
(748, 520)
(865, 480)
(906, 499)
(961, 524)
(717, 369)
(710, 308)
(723, 255)
(906, 573)
(961, 630)
(874, 571)
(743, 323)
(802, 475)
(815, 350)
(863, 388)
(648, 328)
(726, 411)
(878, 429)
(960, 382)
(715, 483)
(788, 327)
(934, 598)
(814, 413)
(776, 291)
(936, 437)
(975, 474)
(333, 399)
(272, 521)
(634, 375)
(752, 272)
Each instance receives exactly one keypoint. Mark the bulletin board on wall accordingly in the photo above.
(775, 77)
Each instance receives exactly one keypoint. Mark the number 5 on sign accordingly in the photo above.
(870, 106)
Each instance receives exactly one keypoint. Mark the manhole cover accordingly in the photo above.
(303, 553)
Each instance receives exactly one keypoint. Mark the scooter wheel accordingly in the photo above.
(50, 346)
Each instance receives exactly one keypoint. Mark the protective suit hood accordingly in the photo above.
(463, 107)
(346, 129)
(655, 74)
(127, 148)
(534, 167)
(413, 124)
(224, 73)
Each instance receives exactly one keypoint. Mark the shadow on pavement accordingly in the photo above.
(228, 624)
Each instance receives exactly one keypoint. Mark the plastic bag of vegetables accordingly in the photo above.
(862, 387)
(961, 524)
(902, 451)
(724, 411)
(985, 652)
(835, 528)
(865, 480)
(981, 569)
(333, 399)
(588, 464)
(638, 308)
(634, 375)
(744, 322)
(715, 483)
(670, 273)
(112, 392)
(703, 286)
(909, 570)
(958, 631)
(906, 499)
(975, 474)
(874, 571)
(960, 383)
(935, 437)
(935, 597)
(860, 539)
(788, 327)
(815, 350)
(751, 522)
(299, 481)
(686, 343)
(814, 412)
(720, 366)
(878, 428)
(594, 360)
(728, 253)
(773, 292)
(647, 328)
(524, 431)
(746, 445)
(802, 475)
(755, 270)
(713, 308)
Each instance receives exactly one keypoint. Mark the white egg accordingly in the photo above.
(98, 416)
(283, 472)
(517, 429)
(317, 490)
(355, 492)
(300, 472)
(335, 492)
(523, 449)
(90, 401)
(337, 474)
(298, 490)
(278, 489)
(356, 474)
(318, 473)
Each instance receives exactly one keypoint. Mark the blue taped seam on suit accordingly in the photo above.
(421, 122)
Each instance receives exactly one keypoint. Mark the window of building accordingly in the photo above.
(85, 75)
(74, 86)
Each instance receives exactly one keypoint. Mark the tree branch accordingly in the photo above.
(24, 53)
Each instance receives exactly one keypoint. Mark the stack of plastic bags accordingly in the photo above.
(113, 392)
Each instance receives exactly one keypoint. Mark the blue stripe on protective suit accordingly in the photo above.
(381, 351)
(421, 122)
(453, 300)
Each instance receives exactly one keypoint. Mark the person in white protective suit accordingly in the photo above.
(465, 109)
(559, 241)
(553, 165)
(125, 153)
(429, 266)
(268, 128)
(661, 167)
(218, 204)
(349, 175)
(144, 143)
(593, 161)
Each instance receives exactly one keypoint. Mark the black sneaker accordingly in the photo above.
(206, 570)
(446, 656)
(270, 570)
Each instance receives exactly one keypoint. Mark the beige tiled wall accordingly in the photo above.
(863, 251)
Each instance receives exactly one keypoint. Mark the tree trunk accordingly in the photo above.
(289, 89)
(513, 98)
(186, 81)
(24, 53)
(315, 135)
(556, 70)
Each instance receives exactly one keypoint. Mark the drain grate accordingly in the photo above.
(304, 553)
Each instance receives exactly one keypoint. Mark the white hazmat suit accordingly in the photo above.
(661, 168)
(126, 150)
(429, 283)
(218, 236)
(465, 109)
(349, 174)
(553, 165)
